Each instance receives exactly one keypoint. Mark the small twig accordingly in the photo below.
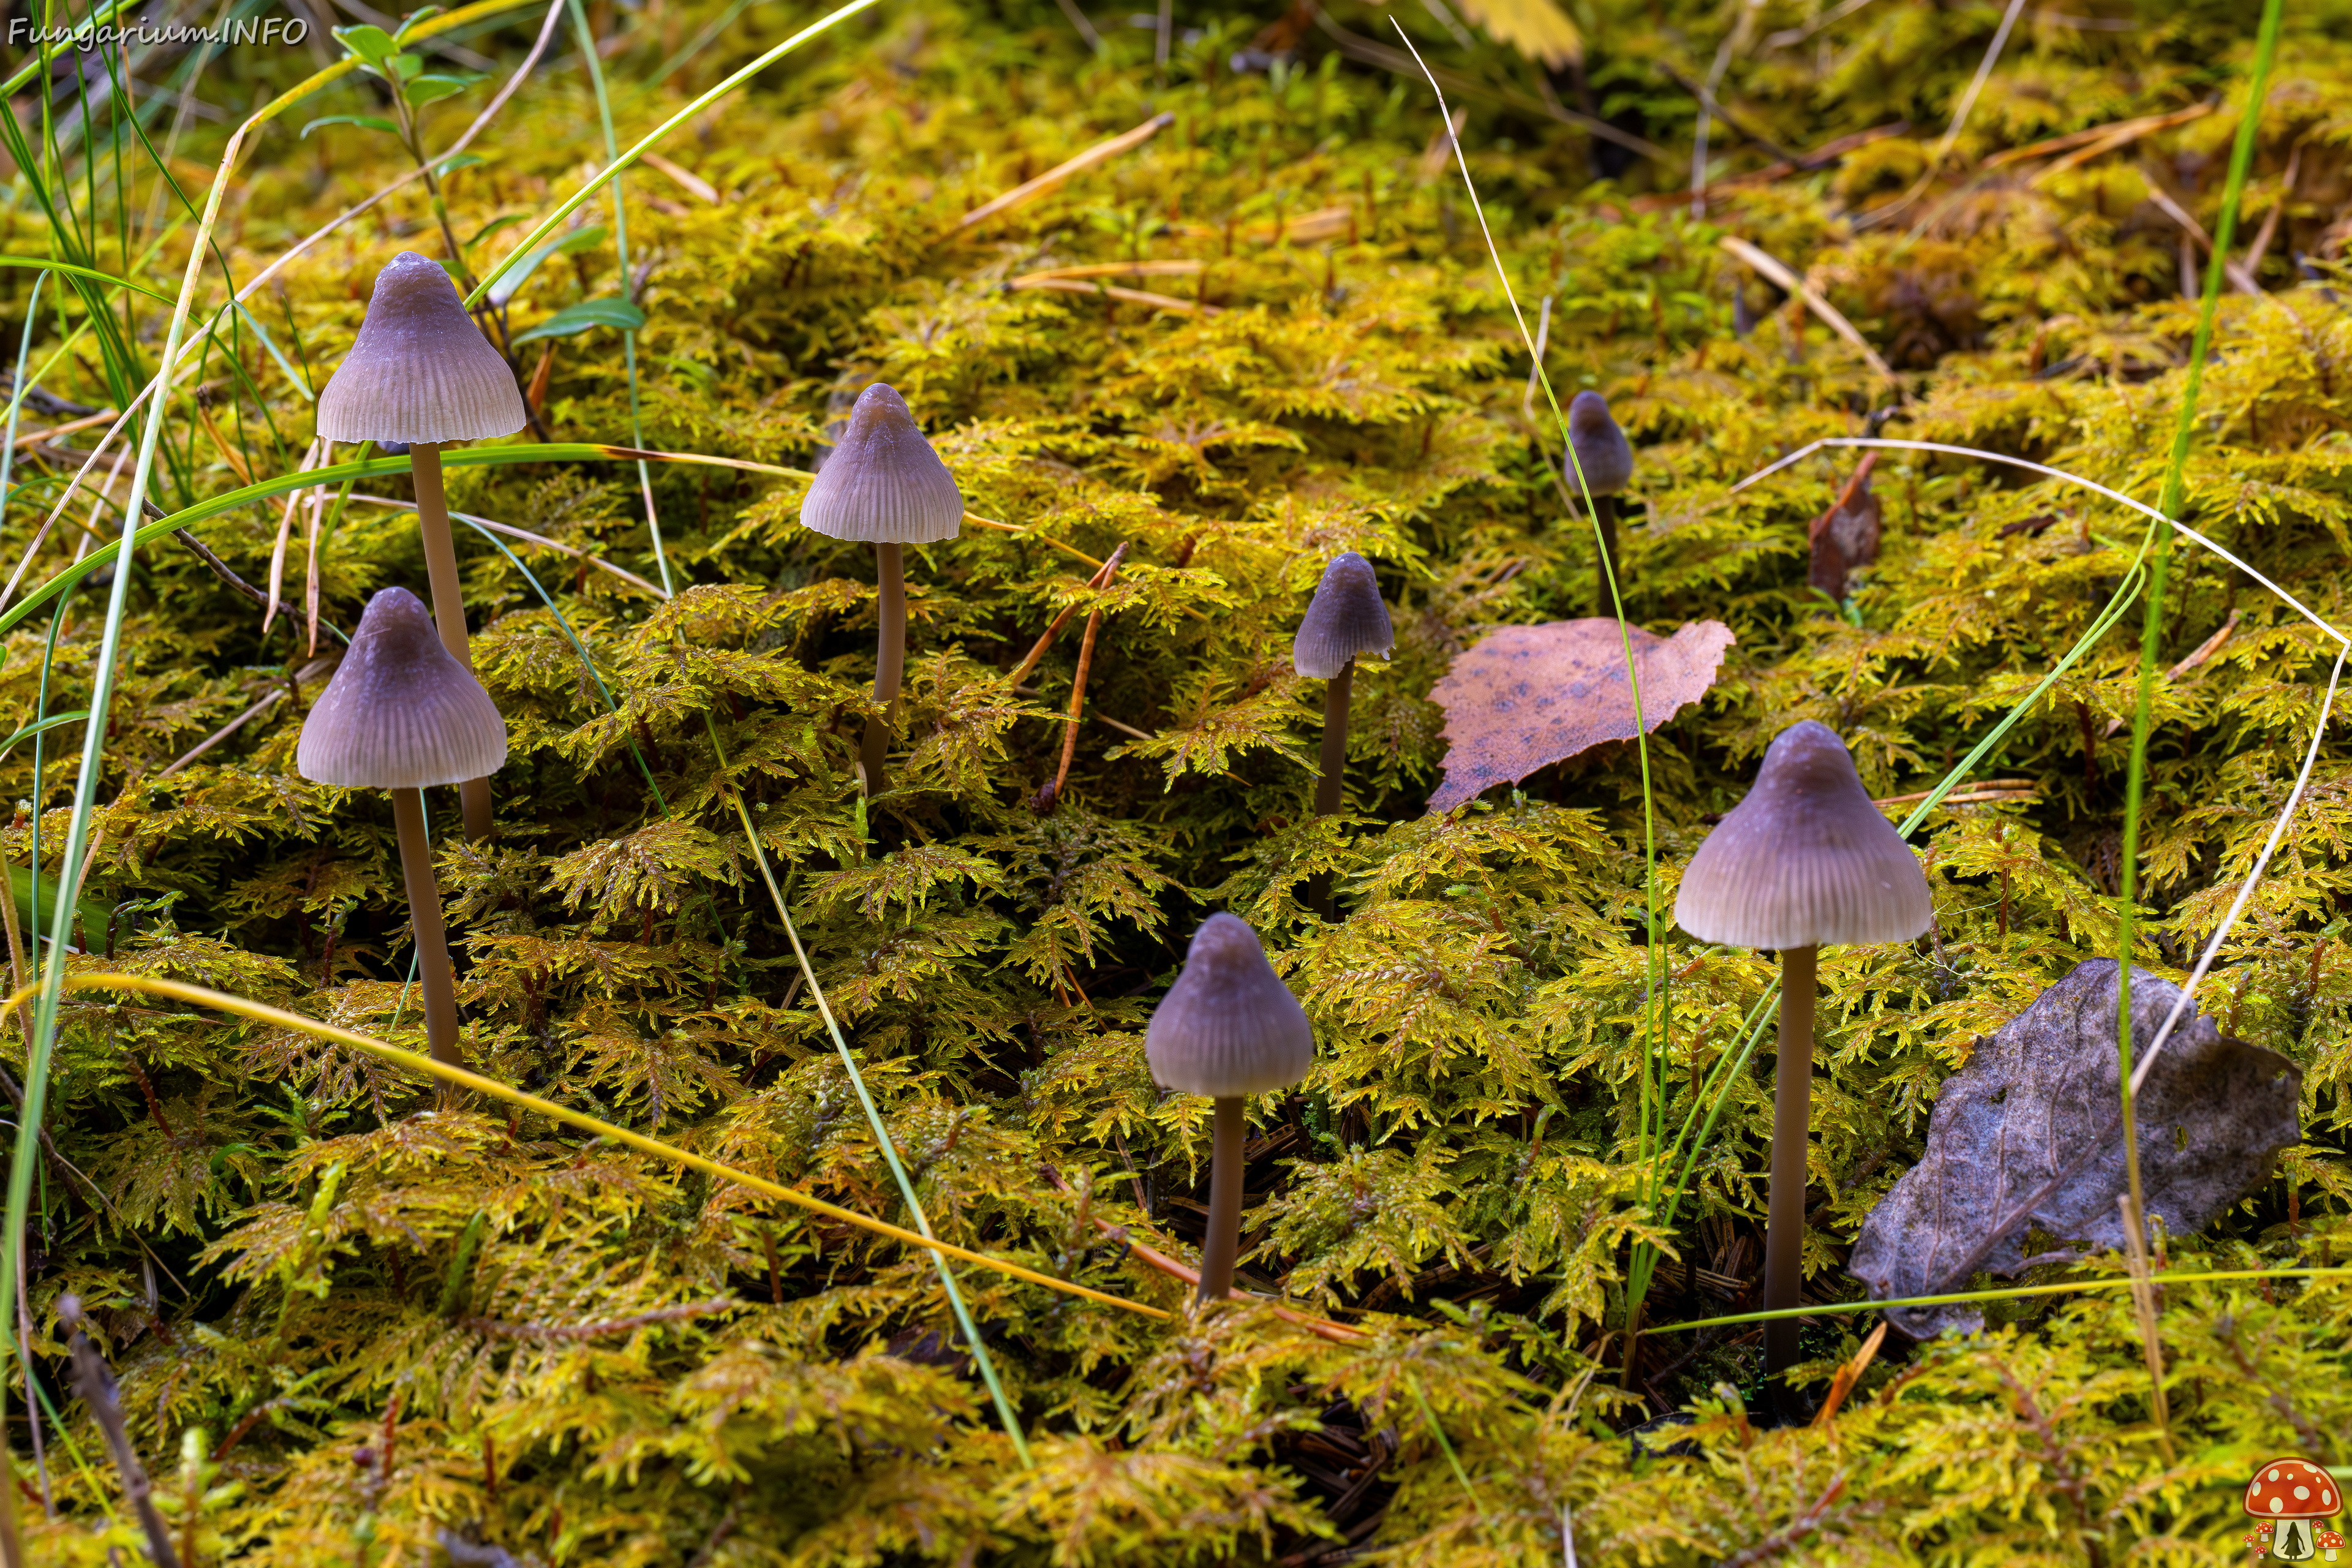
(1054, 627)
(1129, 730)
(1101, 153)
(1132, 296)
(314, 670)
(2081, 147)
(95, 1384)
(1716, 110)
(2242, 280)
(2197, 656)
(1086, 29)
(1772, 267)
(1849, 1375)
(2263, 237)
(1785, 1540)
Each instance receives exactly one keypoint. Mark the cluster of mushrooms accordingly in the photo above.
(1805, 860)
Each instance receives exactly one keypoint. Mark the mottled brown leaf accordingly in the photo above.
(2026, 1139)
(1529, 695)
(1845, 537)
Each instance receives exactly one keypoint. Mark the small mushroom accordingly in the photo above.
(403, 714)
(1345, 618)
(2290, 1494)
(1228, 1028)
(422, 374)
(1599, 465)
(883, 486)
(1806, 858)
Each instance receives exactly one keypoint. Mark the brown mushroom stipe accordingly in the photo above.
(1346, 617)
(1605, 459)
(884, 484)
(402, 715)
(1805, 859)
(422, 374)
(1228, 1028)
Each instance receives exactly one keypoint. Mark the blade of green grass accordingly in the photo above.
(2225, 231)
(572, 203)
(2173, 1278)
(621, 256)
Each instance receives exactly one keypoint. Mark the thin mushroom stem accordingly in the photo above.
(1225, 1240)
(432, 971)
(448, 603)
(1784, 1235)
(1330, 793)
(889, 662)
(1604, 516)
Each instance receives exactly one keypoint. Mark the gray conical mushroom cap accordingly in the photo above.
(1601, 449)
(1229, 1026)
(1806, 860)
(421, 370)
(1345, 618)
(401, 713)
(883, 484)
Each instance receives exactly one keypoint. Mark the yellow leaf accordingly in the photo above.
(1537, 28)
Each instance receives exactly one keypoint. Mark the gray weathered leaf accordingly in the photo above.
(2027, 1138)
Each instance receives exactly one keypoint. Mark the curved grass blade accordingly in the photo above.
(2173, 1278)
(572, 203)
(415, 1062)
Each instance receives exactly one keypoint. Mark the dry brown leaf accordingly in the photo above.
(1845, 537)
(1526, 697)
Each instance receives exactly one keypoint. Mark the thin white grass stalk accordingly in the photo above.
(1656, 1049)
(528, 537)
(16, 389)
(2310, 754)
(38, 1051)
(2180, 1003)
(301, 91)
(2091, 485)
(574, 202)
(1984, 72)
(284, 533)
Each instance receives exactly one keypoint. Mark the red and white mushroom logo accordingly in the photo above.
(2290, 1494)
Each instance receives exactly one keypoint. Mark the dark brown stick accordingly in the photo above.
(1224, 1243)
(1784, 1235)
(434, 975)
(1077, 705)
(95, 1384)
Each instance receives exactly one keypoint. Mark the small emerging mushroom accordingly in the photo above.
(1228, 1028)
(883, 486)
(1599, 465)
(1806, 858)
(402, 715)
(1345, 618)
(422, 374)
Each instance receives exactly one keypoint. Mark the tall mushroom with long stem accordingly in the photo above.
(883, 485)
(1805, 860)
(1346, 618)
(402, 715)
(1599, 465)
(1228, 1028)
(421, 373)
